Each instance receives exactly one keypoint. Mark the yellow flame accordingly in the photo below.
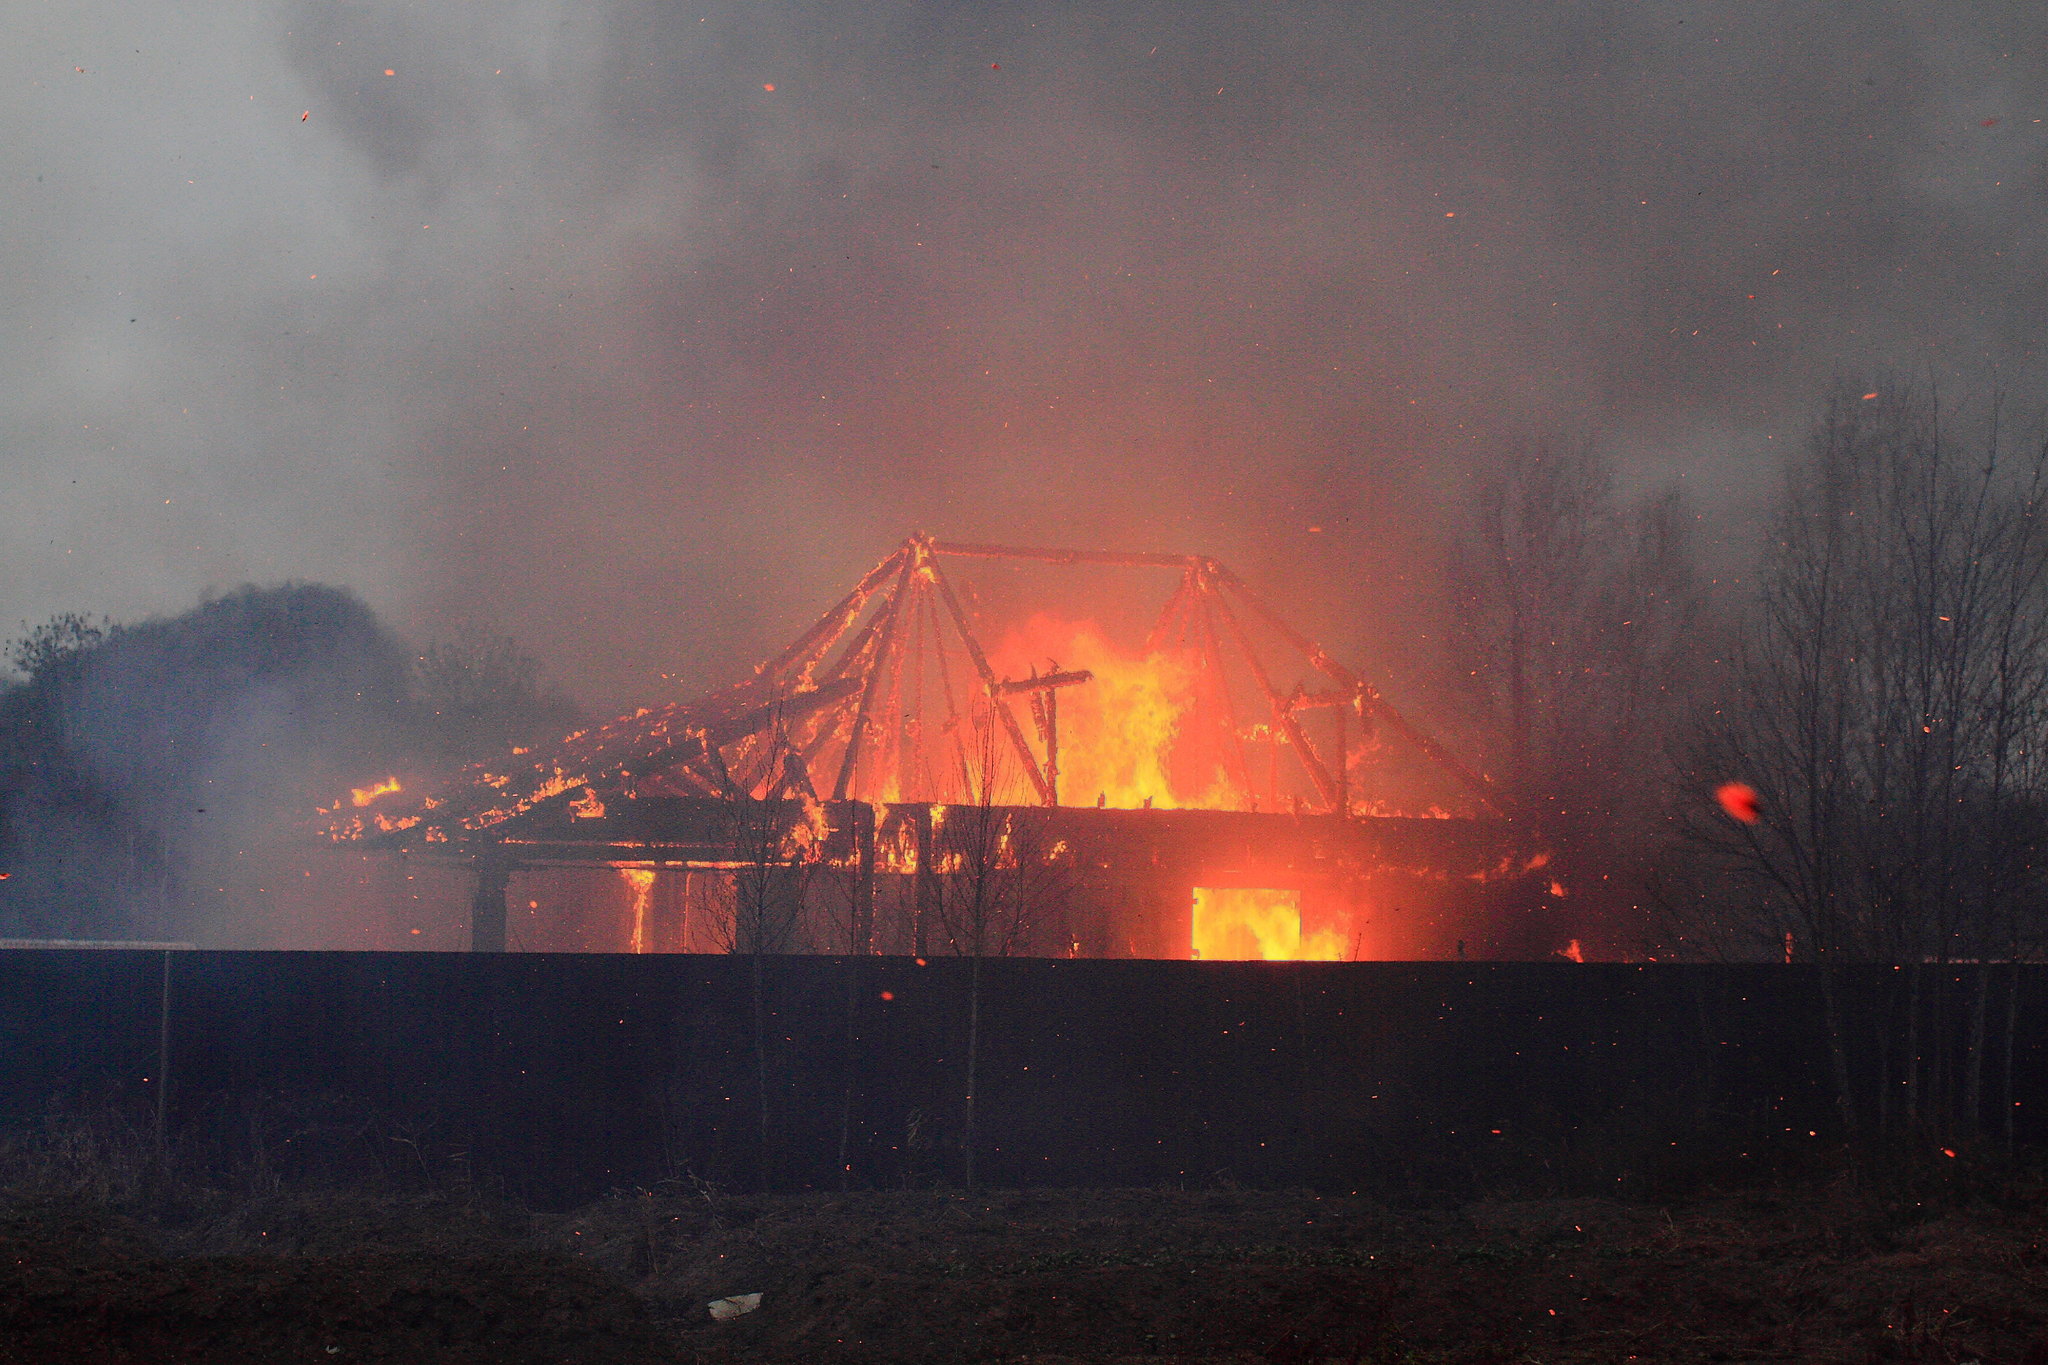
(363, 796)
(1257, 924)
(1119, 731)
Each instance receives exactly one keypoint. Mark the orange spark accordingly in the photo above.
(1868, 396)
(769, 87)
(1739, 800)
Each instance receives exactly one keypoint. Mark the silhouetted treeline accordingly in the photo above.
(145, 769)
(1879, 683)
(1579, 638)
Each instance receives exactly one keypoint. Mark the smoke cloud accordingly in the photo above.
(558, 320)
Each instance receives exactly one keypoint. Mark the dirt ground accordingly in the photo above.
(1820, 1274)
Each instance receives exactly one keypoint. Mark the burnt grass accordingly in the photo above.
(142, 1265)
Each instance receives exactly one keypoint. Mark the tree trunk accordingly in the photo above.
(1973, 1079)
(1838, 1055)
(761, 1065)
(1886, 1080)
(2012, 1016)
(853, 975)
(973, 1066)
(1912, 1054)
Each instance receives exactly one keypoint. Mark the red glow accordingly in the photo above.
(1739, 800)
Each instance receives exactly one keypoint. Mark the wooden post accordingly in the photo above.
(863, 916)
(925, 902)
(1052, 746)
(1343, 773)
(487, 907)
(163, 1053)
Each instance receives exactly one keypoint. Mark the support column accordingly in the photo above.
(487, 907)
(863, 914)
(925, 885)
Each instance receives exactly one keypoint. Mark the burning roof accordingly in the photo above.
(914, 688)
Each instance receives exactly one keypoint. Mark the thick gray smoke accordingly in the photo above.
(149, 780)
(557, 320)
(160, 779)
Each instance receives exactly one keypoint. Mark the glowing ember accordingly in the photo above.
(363, 796)
(1739, 800)
(1238, 924)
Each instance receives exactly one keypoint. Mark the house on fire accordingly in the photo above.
(938, 750)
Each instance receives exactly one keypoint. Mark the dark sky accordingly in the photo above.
(571, 327)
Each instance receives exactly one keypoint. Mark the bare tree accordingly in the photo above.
(1575, 642)
(849, 885)
(1890, 702)
(776, 848)
(63, 637)
(476, 694)
(1001, 874)
(1572, 624)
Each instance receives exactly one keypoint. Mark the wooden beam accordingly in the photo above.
(1219, 678)
(988, 680)
(1043, 683)
(967, 550)
(880, 665)
(1369, 698)
(1283, 714)
(829, 627)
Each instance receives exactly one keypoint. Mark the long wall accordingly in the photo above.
(560, 1075)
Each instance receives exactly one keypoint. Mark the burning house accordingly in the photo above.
(946, 762)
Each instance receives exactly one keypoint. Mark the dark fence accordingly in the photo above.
(556, 1076)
